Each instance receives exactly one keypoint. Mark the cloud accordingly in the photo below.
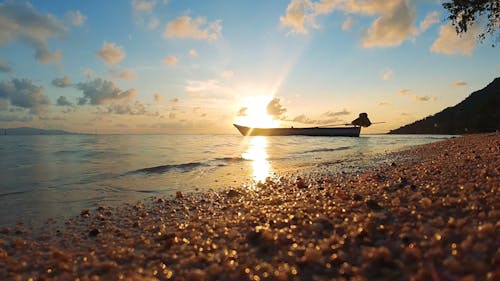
(135, 108)
(242, 111)
(88, 72)
(144, 6)
(274, 108)
(347, 24)
(228, 74)
(429, 20)
(20, 21)
(393, 24)
(99, 91)
(62, 82)
(338, 113)
(125, 74)
(75, 18)
(425, 98)
(404, 92)
(5, 66)
(158, 98)
(153, 23)
(23, 93)
(304, 120)
(175, 100)
(384, 103)
(392, 27)
(459, 83)
(193, 53)
(111, 53)
(171, 60)
(449, 43)
(63, 101)
(186, 27)
(299, 15)
(387, 74)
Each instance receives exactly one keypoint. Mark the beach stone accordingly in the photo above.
(233, 193)
(94, 232)
(85, 213)
(374, 205)
(178, 194)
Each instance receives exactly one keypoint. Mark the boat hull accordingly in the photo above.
(352, 131)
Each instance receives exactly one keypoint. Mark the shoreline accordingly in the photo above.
(433, 216)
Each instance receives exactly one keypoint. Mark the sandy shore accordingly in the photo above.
(434, 216)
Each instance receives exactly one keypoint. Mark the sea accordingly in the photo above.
(46, 177)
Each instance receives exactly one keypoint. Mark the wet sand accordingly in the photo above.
(433, 216)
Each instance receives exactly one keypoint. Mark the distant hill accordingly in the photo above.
(478, 113)
(32, 131)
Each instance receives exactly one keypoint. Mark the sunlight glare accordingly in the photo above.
(255, 114)
(256, 153)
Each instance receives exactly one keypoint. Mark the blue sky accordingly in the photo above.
(198, 66)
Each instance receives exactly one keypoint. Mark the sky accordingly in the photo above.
(196, 67)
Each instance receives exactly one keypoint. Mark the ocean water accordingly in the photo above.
(45, 177)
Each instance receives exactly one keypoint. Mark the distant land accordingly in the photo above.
(478, 113)
(33, 131)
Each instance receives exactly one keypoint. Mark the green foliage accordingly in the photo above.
(465, 13)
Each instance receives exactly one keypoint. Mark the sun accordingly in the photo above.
(253, 113)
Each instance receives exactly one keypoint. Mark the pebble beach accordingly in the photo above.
(433, 214)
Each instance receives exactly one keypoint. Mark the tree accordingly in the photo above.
(465, 13)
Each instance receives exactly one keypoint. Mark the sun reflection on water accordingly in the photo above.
(256, 153)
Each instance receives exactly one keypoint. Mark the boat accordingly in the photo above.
(350, 130)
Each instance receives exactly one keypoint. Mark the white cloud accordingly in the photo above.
(142, 5)
(171, 60)
(125, 74)
(111, 53)
(186, 27)
(449, 43)
(76, 18)
(392, 27)
(193, 53)
(387, 74)
(394, 22)
(429, 20)
(299, 15)
(20, 21)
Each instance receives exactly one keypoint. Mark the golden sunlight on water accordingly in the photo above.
(256, 152)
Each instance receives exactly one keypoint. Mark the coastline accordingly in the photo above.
(433, 216)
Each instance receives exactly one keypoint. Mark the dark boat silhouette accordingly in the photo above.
(350, 130)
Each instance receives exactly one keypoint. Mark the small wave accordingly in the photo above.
(327, 149)
(229, 159)
(13, 193)
(186, 167)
